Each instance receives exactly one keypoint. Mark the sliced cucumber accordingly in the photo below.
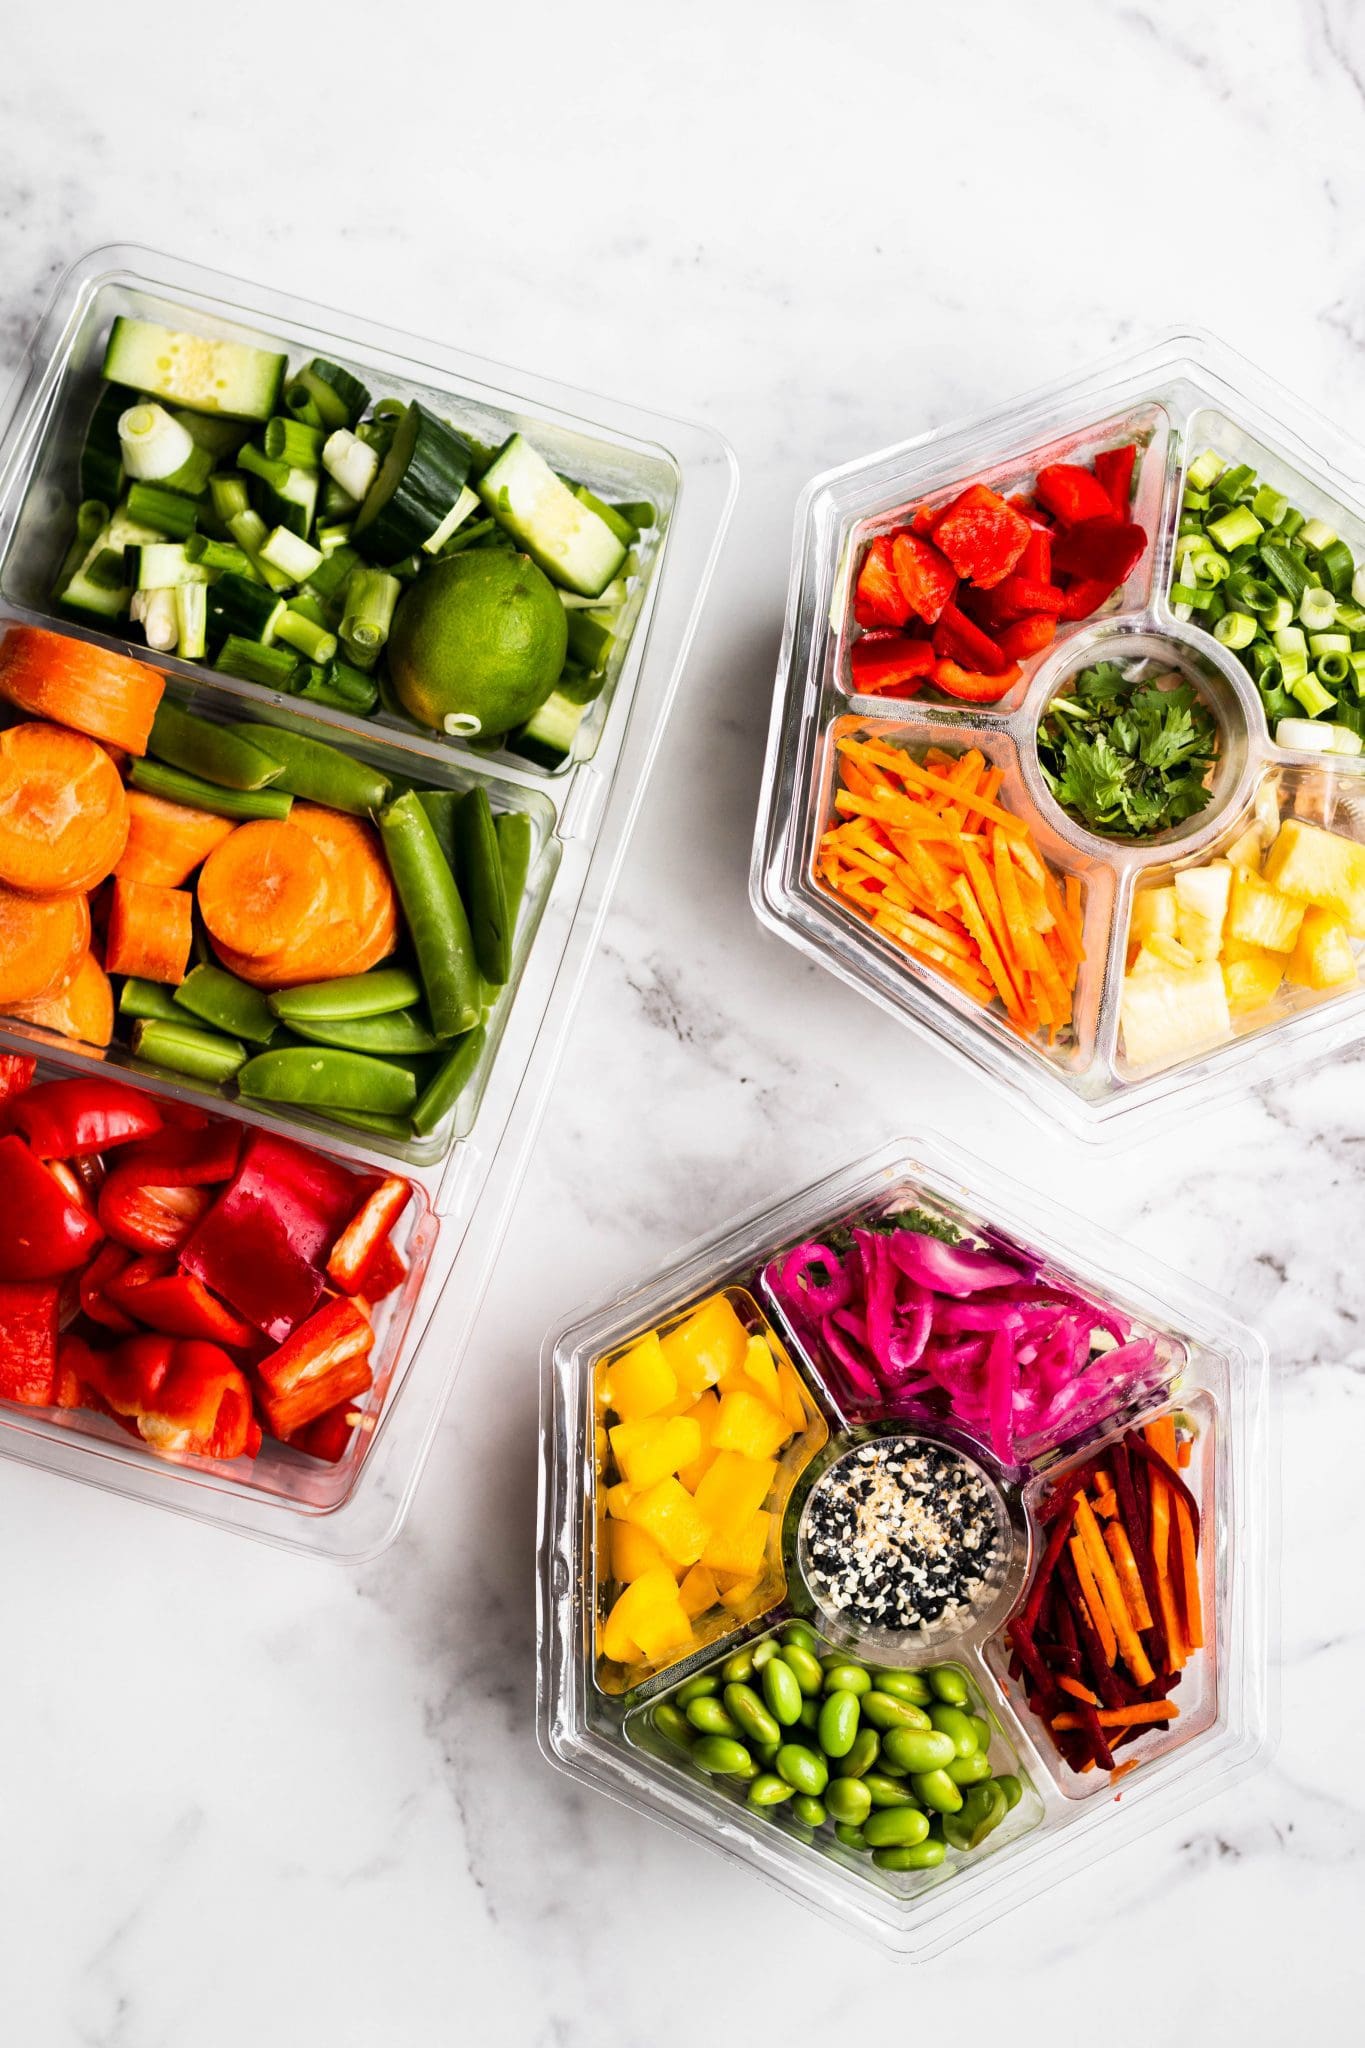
(194, 370)
(418, 489)
(248, 609)
(625, 532)
(568, 540)
(162, 564)
(590, 640)
(102, 455)
(548, 736)
(325, 395)
(102, 583)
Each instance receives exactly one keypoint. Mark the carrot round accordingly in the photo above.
(63, 815)
(109, 696)
(42, 941)
(356, 925)
(262, 887)
(84, 1009)
(167, 842)
(150, 931)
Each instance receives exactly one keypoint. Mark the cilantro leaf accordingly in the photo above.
(1126, 757)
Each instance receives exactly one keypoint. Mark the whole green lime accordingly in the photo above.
(478, 642)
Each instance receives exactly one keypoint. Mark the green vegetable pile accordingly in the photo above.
(1128, 757)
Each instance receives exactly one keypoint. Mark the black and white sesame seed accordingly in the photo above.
(900, 1534)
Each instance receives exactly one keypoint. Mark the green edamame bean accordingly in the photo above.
(350, 995)
(319, 1077)
(802, 1634)
(918, 1749)
(449, 1082)
(905, 1685)
(851, 1837)
(436, 917)
(809, 1716)
(957, 1726)
(699, 1688)
(883, 1710)
(937, 1790)
(709, 1717)
(808, 1674)
(838, 1723)
(672, 1725)
(849, 1800)
(764, 1753)
(765, 1651)
(895, 1827)
(768, 1790)
(948, 1684)
(320, 774)
(479, 873)
(1012, 1790)
(198, 747)
(884, 1791)
(395, 1032)
(983, 1809)
(847, 1678)
(809, 1811)
(889, 1769)
(218, 998)
(782, 1692)
(925, 1855)
(719, 1757)
(803, 1770)
(983, 1731)
(969, 1770)
(738, 1668)
(747, 1710)
(864, 1753)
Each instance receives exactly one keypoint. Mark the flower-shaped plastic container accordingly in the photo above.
(468, 1170)
(1175, 399)
(646, 1735)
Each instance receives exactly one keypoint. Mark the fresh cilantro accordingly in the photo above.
(1128, 759)
(840, 1238)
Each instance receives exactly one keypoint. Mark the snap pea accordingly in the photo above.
(768, 1790)
(983, 1809)
(807, 1671)
(969, 1770)
(905, 1685)
(138, 998)
(851, 1837)
(215, 752)
(957, 1726)
(937, 1790)
(671, 1724)
(849, 1800)
(847, 1678)
(479, 872)
(861, 1757)
(802, 1634)
(709, 1717)
(439, 805)
(349, 996)
(883, 1710)
(720, 1757)
(449, 1082)
(809, 1811)
(185, 1049)
(156, 779)
(947, 1683)
(745, 1707)
(895, 1827)
(319, 773)
(884, 1791)
(399, 1127)
(926, 1855)
(703, 1686)
(738, 1668)
(838, 1723)
(802, 1768)
(516, 840)
(435, 915)
(1011, 1788)
(220, 999)
(782, 1692)
(395, 1031)
(319, 1077)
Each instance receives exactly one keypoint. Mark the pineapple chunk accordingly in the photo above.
(734, 1488)
(633, 1552)
(1267, 811)
(1316, 866)
(1323, 957)
(1201, 908)
(1246, 851)
(698, 1591)
(1261, 914)
(749, 1424)
(1170, 953)
(668, 1513)
(641, 1381)
(1166, 1015)
(1251, 974)
(651, 1449)
(1147, 962)
(701, 1349)
(741, 1549)
(1154, 910)
(650, 1613)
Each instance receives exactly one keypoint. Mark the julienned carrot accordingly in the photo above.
(1078, 1691)
(1123, 1717)
(1111, 1592)
(261, 887)
(923, 851)
(1129, 1578)
(84, 1009)
(1192, 1619)
(63, 815)
(150, 931)
(1095, 1607)
(167, 842)
(86, 688)
(1160, 1436)
(43, 940)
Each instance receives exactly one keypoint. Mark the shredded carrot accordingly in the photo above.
(1078, 1691)
(1191, 1610)
(1161, 1550)
(1111, 1593)
(1099, 1615)
(1129, 1577)
(1123, 1717)
(1107, 1505)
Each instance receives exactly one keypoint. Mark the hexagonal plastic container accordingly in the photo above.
(635, 1741)
(1174, 399)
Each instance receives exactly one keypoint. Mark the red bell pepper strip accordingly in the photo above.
(1072, 493)
(16, 1071)
(1086, 596)
(28, 1342)
(1036, 560)
(72, 1388)
(1027, 637)
(184, 1158)
(973, 688)
(1105, 549)
(1022, 597)
(150, 1219)
(981, 535)
(108, 1262)
(325, 1361)
(182, 1306)
(42, 1231)
(958, 638)
(370, 1227)
(881, 661)
(1114, 468)
(926, 577)
(384, 1273)
(128, 1378)
(328, 1436)
(878, 599)
(63, 1118)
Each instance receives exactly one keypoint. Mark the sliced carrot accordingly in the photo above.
(262, 887)
(1161, 1545)
(1184, 1453)
(1104, 1628)
(357, 925)
(43, 940)
(1106, 1504)
(150, 931)
(106, 695)
(63, 816)
(1123, 1717)
(167, 842)
(1129, 1577)
(1192, 1618)
(1111, 1592)
(84, 1009)
(1078, 1691)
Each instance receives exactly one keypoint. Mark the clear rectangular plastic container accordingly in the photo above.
(622, 1742)
(582, 816)
(1174, 397)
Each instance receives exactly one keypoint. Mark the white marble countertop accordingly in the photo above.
(246, 1797)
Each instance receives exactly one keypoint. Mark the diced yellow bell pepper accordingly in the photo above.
(1323, 957)
(1316, 866)
(650, 1613)
(703, 1412)
(698, 1591)
(641, 1381)
(616, 1640)
(671, 1517)
(619, 1498)
(740, 1592)
(700, 1349)
(789, 1387)
(633, 1552)
(742, 1549)
(648, 1450)
(760, 1367)
(1154, 910)
(1261, 914)
(749, 1424)
(733, 1488)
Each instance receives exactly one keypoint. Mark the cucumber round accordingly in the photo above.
(419, 482)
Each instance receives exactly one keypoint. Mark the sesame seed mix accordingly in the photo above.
(899, 1534)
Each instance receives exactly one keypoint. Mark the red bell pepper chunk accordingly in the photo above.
(1022, 597)
(880, 661)
(181, 1306)
(922, 519)
(1027, 637)
(202, 1407)
(370, 1227)
(1086, 596)
(96, 1282)
(1036, 560)
(73, 1389)
(325, 1361)
(1072, 493)
(28, 1342)
(313, 1197)
(878, 599)
(150, 1219)
(384, 1273)
(981, 535)
(43, 1233)
(328, 1436)
(1114, 468)
(128, 1378)
(973, 688)
(926, 577)
(63, 1118)
(182, 1158)
(16, 1071)
(958, 638)
(1103, 550)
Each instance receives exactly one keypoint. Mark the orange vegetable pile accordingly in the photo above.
(305, 899)
(923, 852)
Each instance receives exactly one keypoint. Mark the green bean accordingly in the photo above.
(782, 1692)
(947, 1683)
(841, 1677)
(720, 1757)
(317, 1077)
(849, 1800)
(937, 1790)
(969, 1770)
(918, 1749)
(802, 1634)
(884, 1711)
(672, 1725)
(926, 1855)
(184, 1049)
(851, 1837)
(803, 1769)
(479, 872)
(895, 1827)
(811, 1812)
(905, 1685)
(957, 1726)
(449, 1082)
(155, 779)
(350, 995)
(809, 1676)
(435, 915)
(1011, 1788)
(215, 752)
(704, 1686)
(745, 1708)
(738, 1667)
(319, 773)
(860, 1759)
(709, 1717)
(138, 998)
(393, 1032)
(884, 1791)
(439, 805)
(220, 999)
(838, 1723)
(768, 1790)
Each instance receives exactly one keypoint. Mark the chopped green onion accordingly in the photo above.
(1205, 470)
(228, 496)
(1311, 694)
(274, 667)
(191, 620)
(1317, 608)
(1332, 670)
(343, 687)
(1269, 506)
(1329, 643)
(350, 462)
(371, 599)
(166, 511)
(276, 474)
(1237, 528)
(312, 640)
(219, 556)
(1279, 615)
(1336, 566)
(154, 611)
(248, 529)
(330, 577)
(1318, 534)
(294, 443)
(152, 444)
(1234, 629)
(294, 558)
(1195, 501)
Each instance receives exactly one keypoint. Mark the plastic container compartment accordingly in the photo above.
(468, 1173)
(1181, 394)
(1207, 1365)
